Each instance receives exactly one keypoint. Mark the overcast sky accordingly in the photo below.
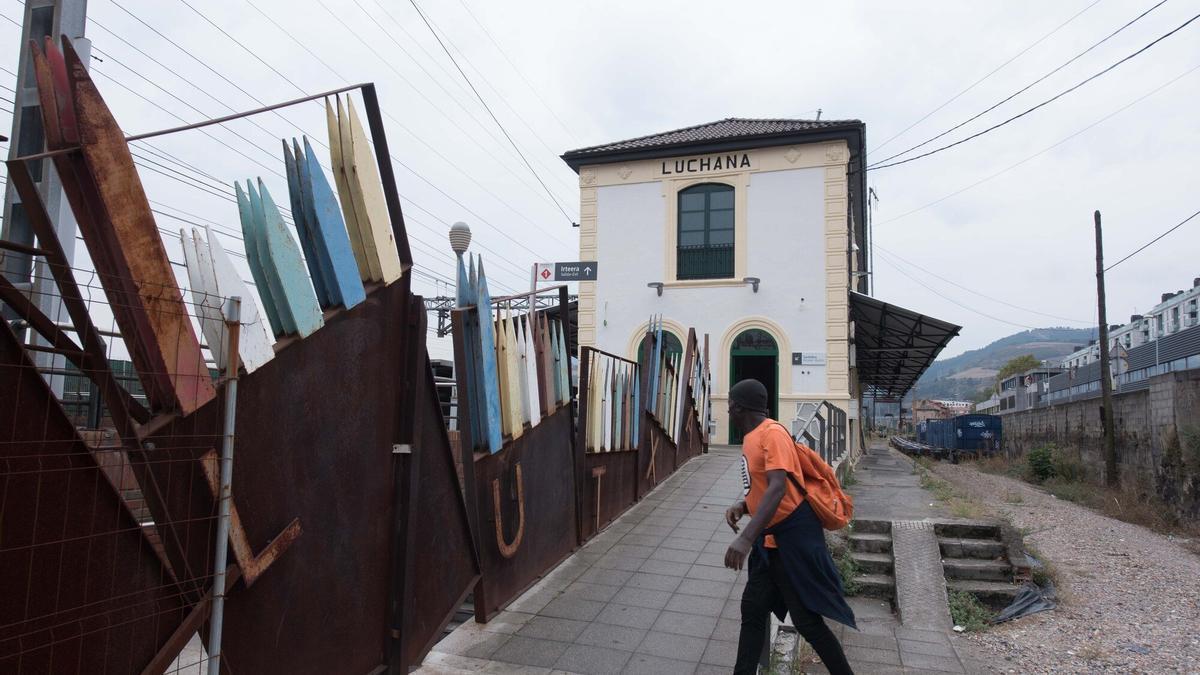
(562, 74)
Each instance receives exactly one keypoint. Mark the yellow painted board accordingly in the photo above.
(345, 196)
(374, 222)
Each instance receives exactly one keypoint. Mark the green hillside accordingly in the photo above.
(964, 376)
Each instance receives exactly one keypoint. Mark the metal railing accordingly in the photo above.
(704, 262)
(821, 426)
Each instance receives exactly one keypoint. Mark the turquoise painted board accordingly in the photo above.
(321, 207)
(555, 383)
(637, 406)
(250, 240)
(304, 228)
(564, 366)
(283, 255)
(655, 342)
(468, 339)
(490, 381)
(620, 408)
(287, 322)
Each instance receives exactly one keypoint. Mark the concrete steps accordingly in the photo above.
(873, 563)
(983, 549)
(871, 548)
(971, 569)
(868, 542)
(994, 594)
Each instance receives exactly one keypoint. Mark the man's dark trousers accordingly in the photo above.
(766, 583)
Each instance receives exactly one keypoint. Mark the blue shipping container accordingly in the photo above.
(977, 433)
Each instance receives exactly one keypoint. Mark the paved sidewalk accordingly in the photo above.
(651, 594)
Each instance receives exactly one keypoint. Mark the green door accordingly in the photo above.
(755, 355)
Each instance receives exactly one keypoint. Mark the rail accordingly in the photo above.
(821, 426)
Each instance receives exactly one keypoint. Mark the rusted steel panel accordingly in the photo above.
(514, 553)
(317, 443)
(614, 490)
(81, 588)
(175, 377)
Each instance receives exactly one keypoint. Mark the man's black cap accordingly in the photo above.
(751, 395)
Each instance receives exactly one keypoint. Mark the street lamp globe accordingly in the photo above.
(460, 237)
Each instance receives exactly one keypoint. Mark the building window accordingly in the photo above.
(705, 243)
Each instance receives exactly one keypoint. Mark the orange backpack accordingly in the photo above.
(820, 487)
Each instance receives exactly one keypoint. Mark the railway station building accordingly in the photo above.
(754, 231)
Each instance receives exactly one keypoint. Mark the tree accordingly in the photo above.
(1016, 365)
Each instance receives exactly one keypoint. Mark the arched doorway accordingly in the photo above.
(755, 355)
(671, 343)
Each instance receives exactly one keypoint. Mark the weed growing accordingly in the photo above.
(848, 570)
(968, 612)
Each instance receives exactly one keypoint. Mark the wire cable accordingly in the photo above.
(1046, 149)
(1023, 89)
(1154, 240)
(974, 292)
(489, 111)
(1043, 103)
(952, 300)
(991, 73)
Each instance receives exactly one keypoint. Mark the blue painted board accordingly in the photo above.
(287, 322)
(251, 240)
(283, 255)
(304, 228)
(487, 346)
(321, 207)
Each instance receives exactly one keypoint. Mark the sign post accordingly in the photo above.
(583, 270)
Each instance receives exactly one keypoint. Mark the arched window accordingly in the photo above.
(705, 242)
(672, 344)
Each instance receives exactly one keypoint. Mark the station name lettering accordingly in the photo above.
(710, 163)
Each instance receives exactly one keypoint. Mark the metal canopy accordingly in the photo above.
(893, 345)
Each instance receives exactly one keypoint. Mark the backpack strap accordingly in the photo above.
(803, 492)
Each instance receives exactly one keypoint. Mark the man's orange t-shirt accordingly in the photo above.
(767, 448)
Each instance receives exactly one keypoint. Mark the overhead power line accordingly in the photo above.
(1044, 150)
(1024, 89)
(1042, 104)
(974, 292)
(991, 73)
(489, 111)
(952, 300)
(1154, 240)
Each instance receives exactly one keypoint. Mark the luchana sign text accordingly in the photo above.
(737, 160)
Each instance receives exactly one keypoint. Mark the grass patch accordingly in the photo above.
(848, 570)
(849, 480)
(1013, 497)
(1046, 573)
(968, 612)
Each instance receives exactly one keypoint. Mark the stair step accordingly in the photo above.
(984, 549)
(968, 529)
(994, 594)
(975, 569)
(871, 543)
(876, 585)
(871, 526)
(873, 563)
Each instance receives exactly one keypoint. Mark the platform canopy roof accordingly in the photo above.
(892, 345)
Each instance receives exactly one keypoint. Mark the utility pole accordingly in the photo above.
(1106, 411)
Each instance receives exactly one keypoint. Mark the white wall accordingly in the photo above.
(785, 250)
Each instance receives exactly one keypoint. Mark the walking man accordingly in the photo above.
(789, 565)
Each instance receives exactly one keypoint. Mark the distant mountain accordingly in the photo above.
(963, 376)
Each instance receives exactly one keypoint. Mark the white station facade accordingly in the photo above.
(753, 232)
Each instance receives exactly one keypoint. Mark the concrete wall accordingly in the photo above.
(1150, 424)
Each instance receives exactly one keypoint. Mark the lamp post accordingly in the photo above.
(460, 241)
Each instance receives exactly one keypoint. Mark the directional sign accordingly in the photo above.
(584, 270)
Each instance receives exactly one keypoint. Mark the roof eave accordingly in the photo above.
(577, 159)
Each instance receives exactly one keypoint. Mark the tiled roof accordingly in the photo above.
(729, 128)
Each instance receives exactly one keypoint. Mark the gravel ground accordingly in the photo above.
(1129, 598)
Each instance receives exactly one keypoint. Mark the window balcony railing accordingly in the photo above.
(705, 262)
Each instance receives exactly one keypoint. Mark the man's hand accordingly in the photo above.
(734, 513)
(735, 556)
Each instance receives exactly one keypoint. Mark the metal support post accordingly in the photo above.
(233, 317)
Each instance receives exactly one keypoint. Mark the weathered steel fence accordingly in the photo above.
(345, 498)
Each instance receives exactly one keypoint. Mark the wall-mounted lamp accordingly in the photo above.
(656, 285)
(753, 281)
